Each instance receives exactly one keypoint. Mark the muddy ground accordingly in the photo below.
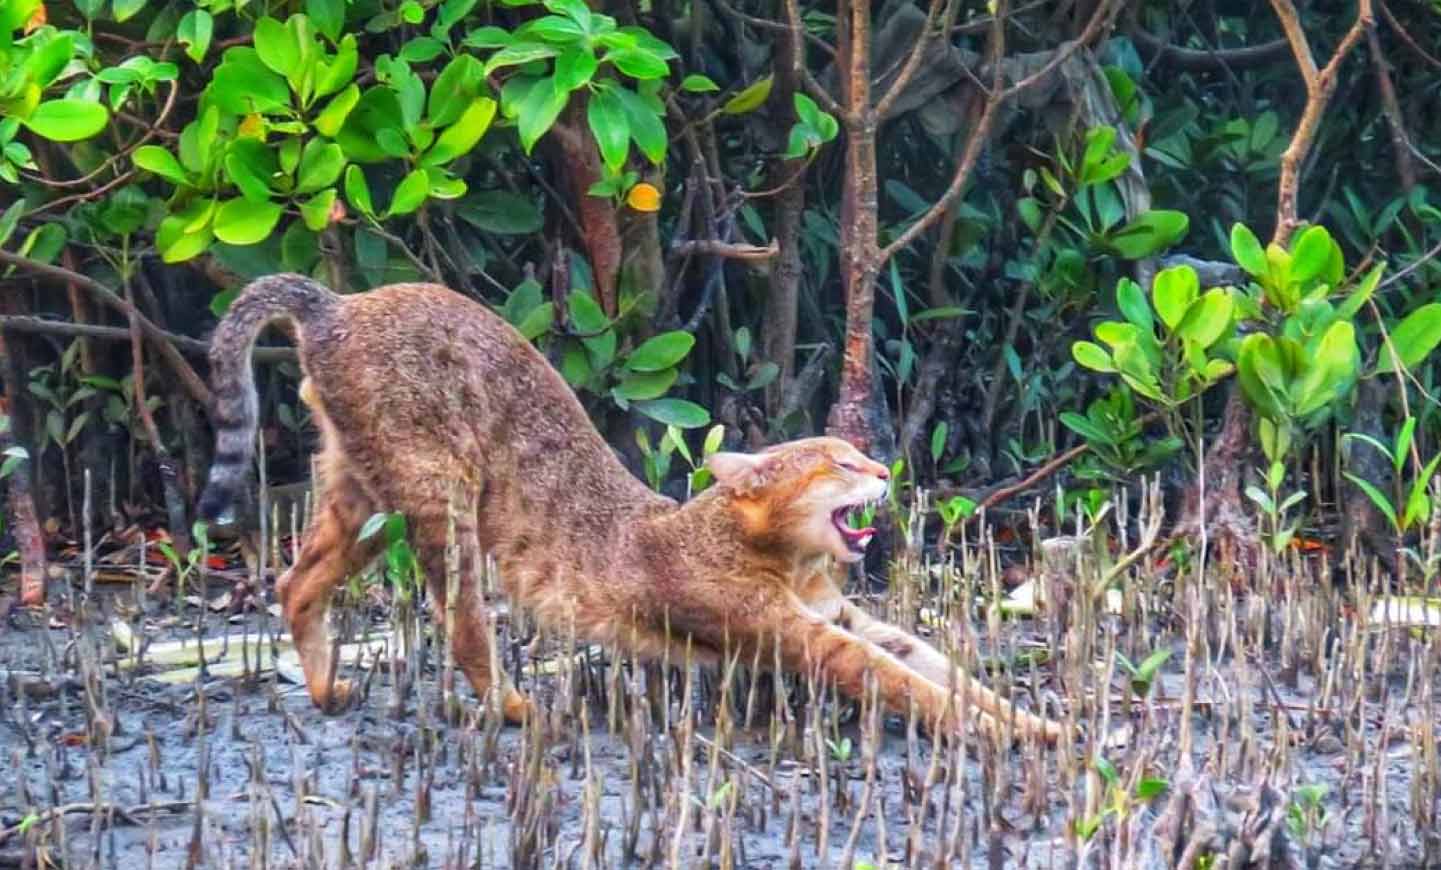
(1308, 747)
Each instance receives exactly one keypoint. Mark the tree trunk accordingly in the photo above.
(19, 495)
(1360, 520)
(850, 416)
(778, 333)
(596, 215)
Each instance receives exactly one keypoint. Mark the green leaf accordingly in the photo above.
(1086, 429)
(1092, 356)
(1207, 318)
(1395, 459)
(538, 112)
(454, 90)
(1403, 443)
(316, 210)
(153, 158)
(320, 166)
(67, 120)
(243, 84)
(1173, 291)
(1028, 208)
(940, 312)
(251, 166)
(452, 11)
(421, 50)
(44, 243)
(338, 72)
(1132, 302)
(333, 116)
(698, 84)
(519, 54)
(459, 138)
(500, 212)
(1310, 254)
(1115, 333)
(749, 99)
(1330, 369)
(537, 321)
(574, 69)
(1247, 252)
(194, 32)
(243, 222)
(1418, 503)
(607, 119)
(1105, 768)
(675, 412)
(328, 16)
(488, 36)
(1098, 144)
(1149, 788)
(372, 526)
(1362, 293)
(1382, 503)
(646, 129)
(185, 234)
(639, 386)
(575, 365)
(11, 219)
(1413, 338)
(638, 63)
(410, 193)
(357, 191)
(661, 352)
(553, 29)
(49, 60)
(124, 10)
(586, 314)
(523, 299)
(1149, 233)
(277, 48)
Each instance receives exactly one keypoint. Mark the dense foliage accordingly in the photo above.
(981, 236)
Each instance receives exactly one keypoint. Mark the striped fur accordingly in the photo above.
(295, 299)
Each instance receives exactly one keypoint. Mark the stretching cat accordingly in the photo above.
(425, 399)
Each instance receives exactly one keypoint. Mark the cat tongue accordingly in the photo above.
(856, 538)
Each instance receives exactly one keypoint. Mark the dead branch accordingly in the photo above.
(184, 343)
(194, 385)
(1320, 86)
(1208, 60)
(725, 250)
(815, 88)
(1391, 108)
(1406, 36)
(939, 9)
(124, 812)
(979, 135)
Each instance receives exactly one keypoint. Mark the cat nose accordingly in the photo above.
(883, 473)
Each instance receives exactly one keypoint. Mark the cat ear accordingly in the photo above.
(732, 468)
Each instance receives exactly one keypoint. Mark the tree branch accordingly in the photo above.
(186, 344)
(194, 385)
(727, 250)
(1391, 108)
(1406, 36)
(768, 24)
(918, 51)
(1209, 60)
(977, 139)
(1320, 85)
(816, 89)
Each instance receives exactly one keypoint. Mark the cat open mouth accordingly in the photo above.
(846, 519)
